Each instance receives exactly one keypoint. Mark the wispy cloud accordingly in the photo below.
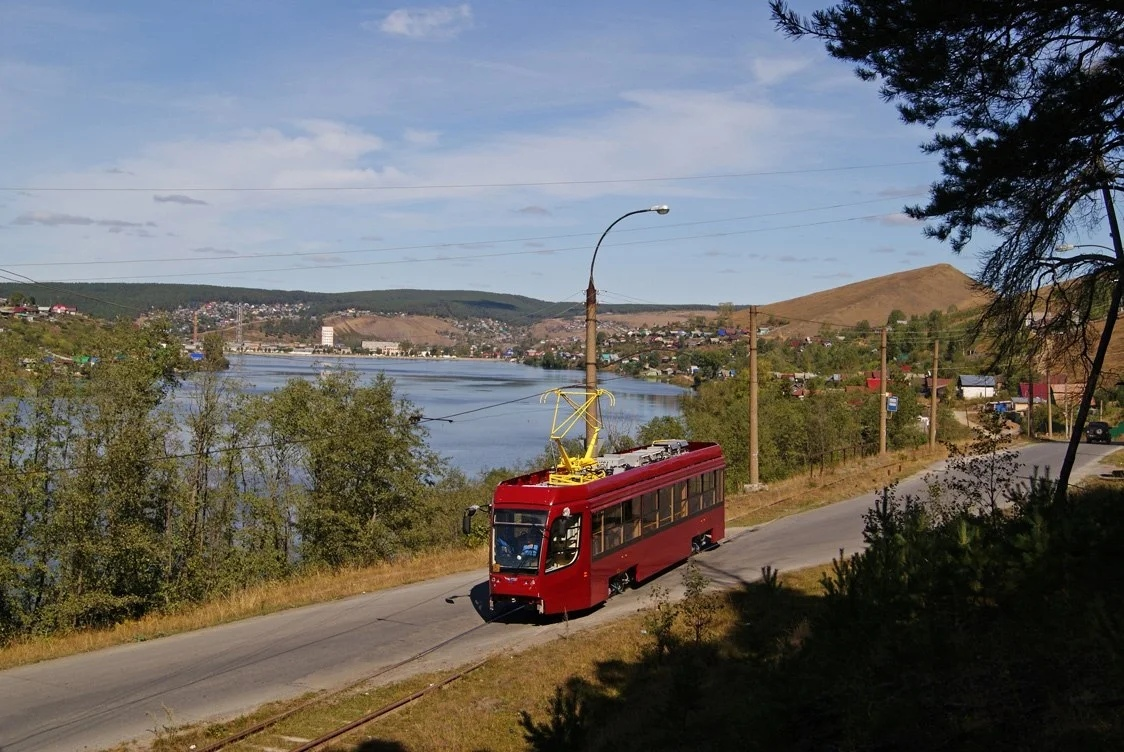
(327, 259)
(772, 70)
(427, 23)
(921, 189)
(535, 210)
(833, 275)
(178, 198)
(897, 220)
(417, 137)
(212, 251)
(883, 249)
(53, 219)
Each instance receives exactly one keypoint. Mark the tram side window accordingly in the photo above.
(679, 500)
(708, 490)
(565, 539)
(694, 491)
(630, 519)
(649, 510)
(665, 507)
(597, 533)
(612, 527)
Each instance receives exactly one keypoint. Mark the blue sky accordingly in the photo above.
(479, 146)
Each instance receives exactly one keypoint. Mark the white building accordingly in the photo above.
(977, 387)
(327, 336)
(385, 348)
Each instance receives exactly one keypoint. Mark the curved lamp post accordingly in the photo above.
(1063, 247)
(594, 417)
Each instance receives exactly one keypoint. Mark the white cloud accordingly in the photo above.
(420, 138)
(772, 70)
(427, 23)
(649, 134)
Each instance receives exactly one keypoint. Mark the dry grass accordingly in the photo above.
(803, 492)
(479, 711)
(260, 599)
(914, 291)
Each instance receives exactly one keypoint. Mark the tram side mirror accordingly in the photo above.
(466, 521)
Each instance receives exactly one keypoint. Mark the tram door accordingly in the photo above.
(566, 569)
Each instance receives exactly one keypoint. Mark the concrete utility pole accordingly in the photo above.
(933, 397)
(882, 400)
(754, 477)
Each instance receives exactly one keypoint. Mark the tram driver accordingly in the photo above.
(523, 552)
(527, 546)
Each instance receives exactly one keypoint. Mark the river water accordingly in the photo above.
(495, 415)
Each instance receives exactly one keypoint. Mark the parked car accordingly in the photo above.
(1098, 431)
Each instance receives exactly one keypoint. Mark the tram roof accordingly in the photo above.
(535, 488)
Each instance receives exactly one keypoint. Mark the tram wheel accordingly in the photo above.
(620, 582)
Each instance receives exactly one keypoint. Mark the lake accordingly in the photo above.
(497, 416)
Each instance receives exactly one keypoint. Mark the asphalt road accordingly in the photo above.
(99, 699)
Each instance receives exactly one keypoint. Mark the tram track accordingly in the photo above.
(324, 699)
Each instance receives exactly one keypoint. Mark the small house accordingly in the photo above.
(976, 387)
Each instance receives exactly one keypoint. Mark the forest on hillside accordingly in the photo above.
(112, 300)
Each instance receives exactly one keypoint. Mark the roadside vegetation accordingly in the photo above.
(139, 500)
(139, 483)
(964, 624)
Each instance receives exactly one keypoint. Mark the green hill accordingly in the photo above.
(114, 300)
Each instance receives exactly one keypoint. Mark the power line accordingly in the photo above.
(456, 186)
(474, 257)
(461, 244)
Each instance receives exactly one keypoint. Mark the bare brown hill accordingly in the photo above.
(574, 328)
(916, 291)
(427, 330)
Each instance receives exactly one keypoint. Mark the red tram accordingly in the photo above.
(566, 539)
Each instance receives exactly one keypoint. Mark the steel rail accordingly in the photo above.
(321, 699)
(376, 714)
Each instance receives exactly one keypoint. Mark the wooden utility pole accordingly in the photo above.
(882, 399)
(933, 397)
(754, 477)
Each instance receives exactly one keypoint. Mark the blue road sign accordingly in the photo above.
(891, 404)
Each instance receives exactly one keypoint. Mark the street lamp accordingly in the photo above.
(593, 418)
(1064, 247)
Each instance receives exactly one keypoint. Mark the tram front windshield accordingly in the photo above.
(517, 538)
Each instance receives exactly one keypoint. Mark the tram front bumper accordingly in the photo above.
(515, 590)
